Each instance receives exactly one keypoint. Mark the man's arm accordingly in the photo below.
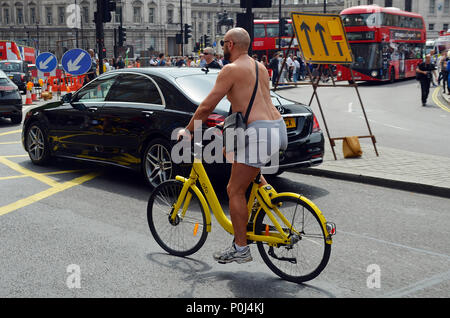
(223, 85)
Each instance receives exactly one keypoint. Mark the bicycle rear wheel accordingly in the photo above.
(187, 233)
(306, 258)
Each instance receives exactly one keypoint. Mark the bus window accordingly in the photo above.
(272, 30)
(259, 31)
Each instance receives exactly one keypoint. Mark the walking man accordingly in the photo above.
(237, 81)
(425, 72)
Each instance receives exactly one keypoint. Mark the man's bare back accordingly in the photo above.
(241, 76)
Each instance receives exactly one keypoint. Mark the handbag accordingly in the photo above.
(237, 120)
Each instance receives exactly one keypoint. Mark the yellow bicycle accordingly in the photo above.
(291, 234)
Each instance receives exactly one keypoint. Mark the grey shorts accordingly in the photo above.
(263, 141)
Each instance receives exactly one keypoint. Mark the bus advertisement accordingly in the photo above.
(10, 50)
(387, 43)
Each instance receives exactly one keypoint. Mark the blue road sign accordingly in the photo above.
(46, 62)
(76, 62)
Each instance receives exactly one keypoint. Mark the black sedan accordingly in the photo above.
(10, 100)
(127, 118)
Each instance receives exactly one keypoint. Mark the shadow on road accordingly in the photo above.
(242, 284)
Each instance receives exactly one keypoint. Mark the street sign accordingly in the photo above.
(76, 62)
(46, 62)
(322, 38)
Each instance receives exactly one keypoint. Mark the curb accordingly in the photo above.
(381, 182)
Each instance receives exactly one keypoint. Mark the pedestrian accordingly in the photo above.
(448, 73)
(443, 74)
(237, 81)
(208, 53)
(273, 65)
(161, 60)
(120, 63)
(296, 72)
(425, 71)
(92, 73)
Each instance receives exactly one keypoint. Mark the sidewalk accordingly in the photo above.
(393, 168)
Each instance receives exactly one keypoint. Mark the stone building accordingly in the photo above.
(152, 25)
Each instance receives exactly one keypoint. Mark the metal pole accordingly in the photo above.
(324, 6)
(76, 24)
(100, 35)
(181, 27)
(279, 24)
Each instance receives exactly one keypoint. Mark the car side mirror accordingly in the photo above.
(67, 98)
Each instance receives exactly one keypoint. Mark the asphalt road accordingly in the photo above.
(71, 218)
(394, 111)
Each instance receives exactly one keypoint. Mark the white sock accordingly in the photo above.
(240, 248)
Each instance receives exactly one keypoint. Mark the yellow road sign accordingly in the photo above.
(322, 38)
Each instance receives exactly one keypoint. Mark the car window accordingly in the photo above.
(10, 67)
(96, 91)
(135, 88)
(197, 87)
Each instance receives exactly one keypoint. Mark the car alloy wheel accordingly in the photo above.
(36, 143)
(158, 163)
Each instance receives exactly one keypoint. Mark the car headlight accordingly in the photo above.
(339, 74)
(374, 73)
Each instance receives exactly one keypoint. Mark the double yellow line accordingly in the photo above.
(437, 101)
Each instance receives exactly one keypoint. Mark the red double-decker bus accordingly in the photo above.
(387, 43)
(266, 40)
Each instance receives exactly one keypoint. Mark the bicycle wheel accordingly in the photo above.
(187, 233)
(308, 255)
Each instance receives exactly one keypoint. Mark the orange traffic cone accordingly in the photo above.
(28, 101)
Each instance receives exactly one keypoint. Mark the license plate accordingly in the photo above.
(290, 122)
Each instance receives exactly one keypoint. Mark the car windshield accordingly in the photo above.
(197, 87)
(10, 66)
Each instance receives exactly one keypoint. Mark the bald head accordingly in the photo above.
(240, 38)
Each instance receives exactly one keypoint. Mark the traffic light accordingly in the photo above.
(206, 40)
(108, 6)
(122, 35)
(187, 32)
(284, 27)
(197, 47)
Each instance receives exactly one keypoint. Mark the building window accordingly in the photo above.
(151, 15)
(6, 15)
(445, 28)
(85, 15)
(431, 27)
(447, 6)
(49, 15)
(169, 15)
(61, 15)
(388, 3)
(33, 15)
(19, 15)
(432, 7)
(408, 5)
(137, 17)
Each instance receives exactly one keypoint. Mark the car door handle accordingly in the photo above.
(93, 109)
(147, 113)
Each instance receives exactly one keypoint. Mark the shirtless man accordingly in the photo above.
(237, 81)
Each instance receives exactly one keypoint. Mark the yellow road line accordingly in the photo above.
(46, 193)
(45, 174)
(28, 172)
(437, 101)
(10, 142)
(14, 156)
(10, 132)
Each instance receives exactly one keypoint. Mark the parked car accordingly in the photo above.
(18, 71)
(126, 118)
(10, 99)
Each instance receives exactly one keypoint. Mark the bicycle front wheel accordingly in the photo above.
(308, 254)
(183, 235)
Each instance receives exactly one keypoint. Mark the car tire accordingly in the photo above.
(17, 119)
(157, 165)
(37, 144)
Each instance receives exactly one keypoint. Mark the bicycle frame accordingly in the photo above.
(264, 195)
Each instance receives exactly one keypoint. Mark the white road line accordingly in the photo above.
(387, 125)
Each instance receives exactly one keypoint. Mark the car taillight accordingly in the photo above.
(214, 119)
(316, 127)
(22, 77)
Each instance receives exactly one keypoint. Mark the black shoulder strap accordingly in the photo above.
(249, 108)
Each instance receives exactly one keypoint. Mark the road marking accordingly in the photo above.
(386, 125)
(437, 101)
(45, 174)
(59, 187)
(10, 142)
(28, 172)
(10, 132)
(426, 283)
